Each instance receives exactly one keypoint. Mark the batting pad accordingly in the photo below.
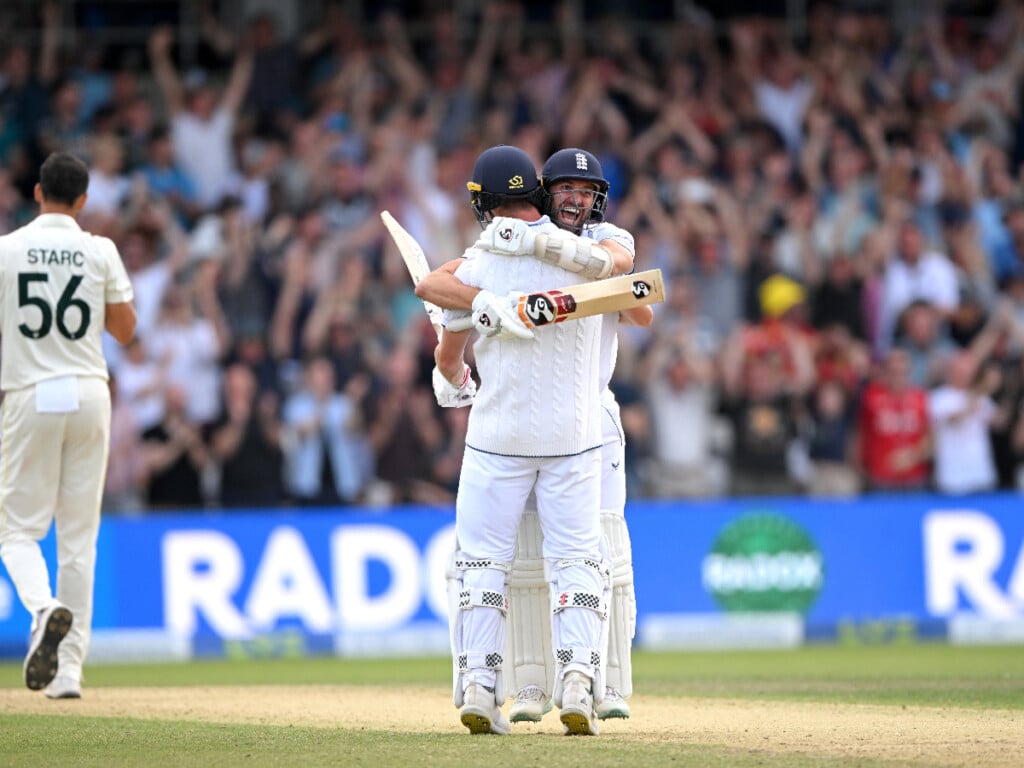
(478, 622)
(529, 659)
(579, 609)
(622, 610)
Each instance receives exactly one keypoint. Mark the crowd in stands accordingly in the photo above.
(839, 215)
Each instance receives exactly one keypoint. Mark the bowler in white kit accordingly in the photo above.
(60, 287)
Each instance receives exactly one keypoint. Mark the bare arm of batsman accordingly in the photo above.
(451, 368)
(622, 264)
(442, 288)
(641, 317)
(452, 379)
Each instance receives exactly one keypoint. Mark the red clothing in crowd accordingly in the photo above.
(893, 421)
(774, 338)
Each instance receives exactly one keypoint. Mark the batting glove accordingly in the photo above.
(495, 317)
(450, 396)
(509, 236)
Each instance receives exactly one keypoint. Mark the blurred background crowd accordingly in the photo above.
(832, 190)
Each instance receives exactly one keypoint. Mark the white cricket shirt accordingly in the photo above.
(610, 321)
(55, 283)
(537, 397)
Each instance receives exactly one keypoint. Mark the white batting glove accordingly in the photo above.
(450, 396)
(495, 317)
(512, 237)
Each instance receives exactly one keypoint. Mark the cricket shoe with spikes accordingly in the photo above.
(480, 712)
(530, 705)
(578, 706)
(64, 687)
(51, 627)
(613, 705)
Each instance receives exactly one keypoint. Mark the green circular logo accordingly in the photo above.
(763, 562)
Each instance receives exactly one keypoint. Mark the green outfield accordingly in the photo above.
(918, 705)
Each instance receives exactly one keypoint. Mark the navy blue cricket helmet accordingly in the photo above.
(575, 165)
(501, 173)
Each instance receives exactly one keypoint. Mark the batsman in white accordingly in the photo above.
(60, 287)
(576, 196)
(575, 200)
(535, 428)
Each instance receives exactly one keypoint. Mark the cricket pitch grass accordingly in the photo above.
(910, 705)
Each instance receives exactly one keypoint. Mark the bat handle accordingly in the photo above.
(460, 324)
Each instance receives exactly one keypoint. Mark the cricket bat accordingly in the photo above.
(613, 294)
(416, 262)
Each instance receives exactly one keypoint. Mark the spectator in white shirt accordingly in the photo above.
(784, 94)
(961, 412)
(914, 273)
(189, 347)
(108, 186)
(202, 121)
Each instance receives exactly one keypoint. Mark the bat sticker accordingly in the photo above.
(544, 308)
(539, 309)
(585, 300)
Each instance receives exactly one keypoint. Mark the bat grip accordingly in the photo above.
(460, 324)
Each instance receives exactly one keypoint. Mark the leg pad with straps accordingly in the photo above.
(528, 658)
(622, 607)
(579, 609)
(477, 624)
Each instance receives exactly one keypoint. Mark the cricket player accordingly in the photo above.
(576, 196)
(60, 288)
(535, 428)
(575, 199)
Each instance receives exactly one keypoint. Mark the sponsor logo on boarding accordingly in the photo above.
(641, 289)
(763, 562)
(973, 564)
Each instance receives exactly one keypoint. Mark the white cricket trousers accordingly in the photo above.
(613, 458)
(52, 467)
(530, 658)
(492, 496)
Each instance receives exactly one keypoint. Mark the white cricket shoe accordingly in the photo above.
(530, 705)
(613, 705)
(578, 706)
(52, 626)
(480, 713)
(64, 687)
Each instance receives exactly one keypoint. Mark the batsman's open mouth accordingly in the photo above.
(572, 218)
